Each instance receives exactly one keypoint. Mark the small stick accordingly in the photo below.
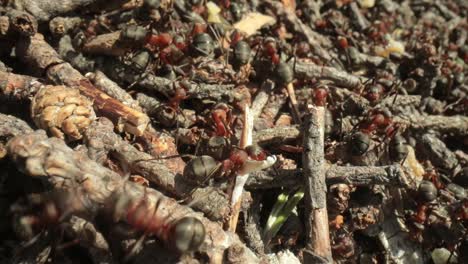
(309, 70)
(293, 100)
(314, 173)
(246, 139)
(315, 40)
(105, 44)
(391, 175)
(261, 99)
(101, 81)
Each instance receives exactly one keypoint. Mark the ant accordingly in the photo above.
(223, 120)
(241, 161)
(184, 233)
(39, 212)
(380, 119)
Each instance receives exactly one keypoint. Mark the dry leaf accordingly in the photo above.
(253, 22)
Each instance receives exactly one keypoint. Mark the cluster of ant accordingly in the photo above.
(173, 41)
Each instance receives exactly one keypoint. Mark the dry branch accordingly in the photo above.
(392, 175)
(308, 70)
(45, 59)
(43, 10)
(314, 175)
(62, 167)
(101, 81)
(17, 86)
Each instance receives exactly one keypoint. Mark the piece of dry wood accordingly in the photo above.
(43, 10)
(393, 175)
(457, 124)
(64, 168)
(314, 176)
(308, 70)
(18, 86)
(105, 44)
(101, 81)
(271, 110)
(276, 135)
(437, 152)
(261, 98)
(359, 19)
(12, 126)
(45, 59)
(20, 22)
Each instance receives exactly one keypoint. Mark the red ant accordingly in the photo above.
(320, 96)
(183, 233)
(180, 94)
(160, 41)
(379, 119)
(223, 119)
(241, 161)
(47, 210)
(271, 51)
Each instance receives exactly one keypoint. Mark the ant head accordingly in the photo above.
(255, 152)
(217, 147)
(320, 95)
(235, 37)
(374, 92)
(238, 157)
(188, 234)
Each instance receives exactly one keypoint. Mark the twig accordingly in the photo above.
(439, 154)
(21, 22)
(457, 124)
(252, 227)
(62, 167)
(105, 44)
(360, 21)
(315, 194)
(273, 107)
(236, 196)
(44, 58)
(101, 81)
(315, 40)
(261, 98)
(393, 175)
(293, 101)
(309, 70)
(18, 86)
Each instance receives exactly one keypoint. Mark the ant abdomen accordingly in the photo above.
(184, 234)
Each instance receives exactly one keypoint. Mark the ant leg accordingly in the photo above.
(133, 251)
